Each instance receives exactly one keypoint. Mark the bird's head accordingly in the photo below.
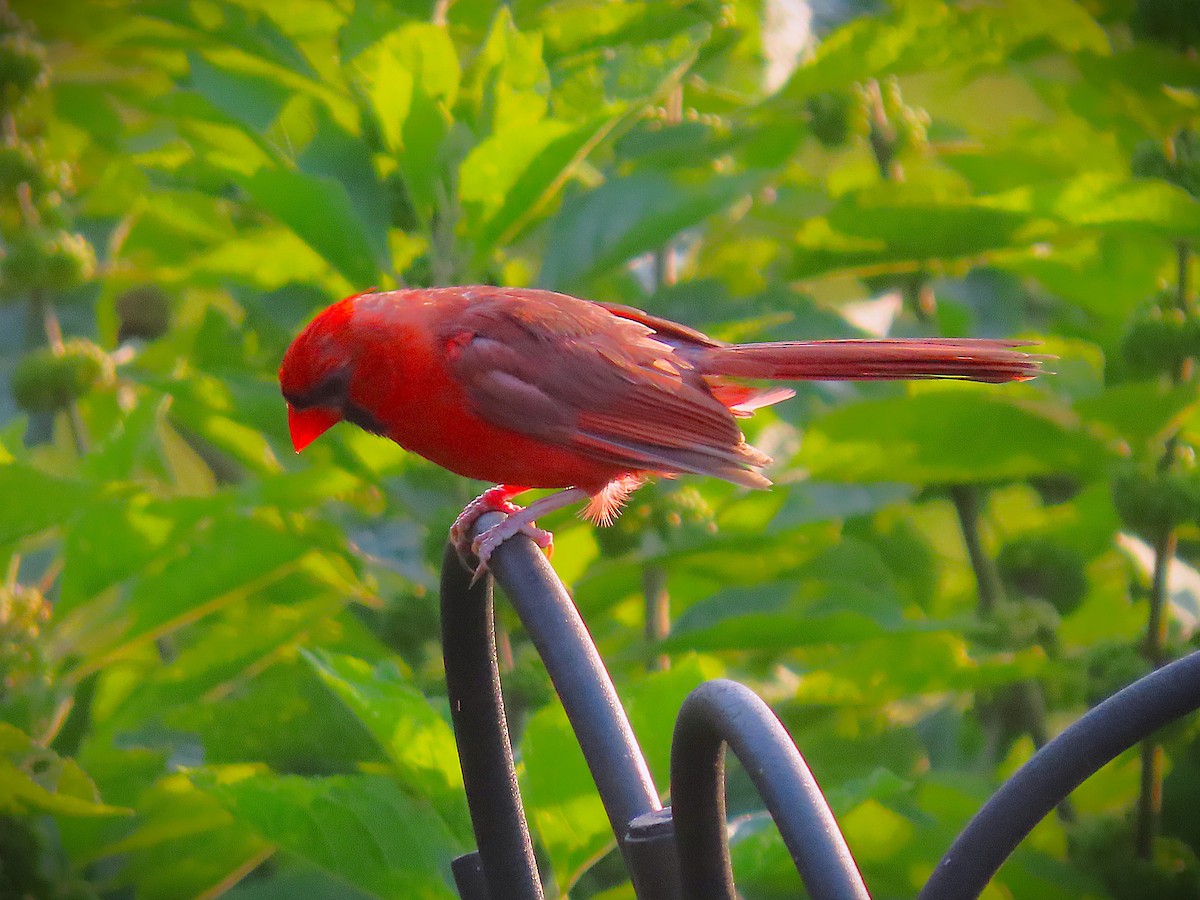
(316, 377)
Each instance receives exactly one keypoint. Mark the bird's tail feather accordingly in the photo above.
(992, 361)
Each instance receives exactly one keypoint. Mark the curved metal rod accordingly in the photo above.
(583, 685)
(724, 712)
(481, 732)
(1058, 768)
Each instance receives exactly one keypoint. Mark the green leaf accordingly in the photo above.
(419, 741)
(1129, 94)
(226, 659)
(955, 435)
(35, 501)
(301, 727)
(182, 843)
(571, 28)
(893, 222)
(225, 559)
(653, 701)
(842, 595)
(295, 878)
(816, 502)
(1140, 412)
(1105, 274)
(508, 84)
(411, 78)
(359, 827)
(88, 106)
(230, 24)
(613, 77)
(914, 222)
(36, 780)
(622, 218)
(337, 154)
(113, 539)
(511, 177)
(319, 210)
(929, 37)
(909, 663)
(129, 445)
(557, 785)
(251, 99)
(561, 800)
(1115, 204)
(415, 60)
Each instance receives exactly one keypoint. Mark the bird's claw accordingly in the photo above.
(484, 545)
(492, 500)
(476, 553)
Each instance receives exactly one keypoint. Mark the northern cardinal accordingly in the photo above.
(534, 389)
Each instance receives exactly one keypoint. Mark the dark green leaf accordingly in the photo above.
(622, 218)
(359, 827)
(253, 100)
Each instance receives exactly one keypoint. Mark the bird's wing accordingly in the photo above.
(596, 381)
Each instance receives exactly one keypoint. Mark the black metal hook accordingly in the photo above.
(505, 855)
(1100, 736)
(720, 713)
(587, 694)
(716, 714)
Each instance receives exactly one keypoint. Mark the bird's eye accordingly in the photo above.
(330, 391)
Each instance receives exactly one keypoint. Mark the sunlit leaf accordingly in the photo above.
(223, 561)
(508, 84)
(1140, 411)
(949, 436)
(509, 178)
(419, 741)
(251, 30)
(411, 77)
(924, 37)
(34, 780)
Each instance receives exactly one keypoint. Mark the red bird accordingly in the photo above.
(533, 389)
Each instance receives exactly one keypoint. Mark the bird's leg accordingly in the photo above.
(520, 520)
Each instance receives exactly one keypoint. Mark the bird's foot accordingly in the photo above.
(484, 545)
(476, 553)
(521, 520)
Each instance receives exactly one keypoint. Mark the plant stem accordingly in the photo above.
(987, 577)
(1026, 695)
(54, 338)
(654, 577)
(443, 246)
(78, 720)
(1149, 807)
(658, 610)
(882, 136)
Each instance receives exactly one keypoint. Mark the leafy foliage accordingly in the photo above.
(219, 670)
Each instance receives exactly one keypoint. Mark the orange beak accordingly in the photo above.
(306, 425)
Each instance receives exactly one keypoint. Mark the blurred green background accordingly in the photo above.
(219, 664)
